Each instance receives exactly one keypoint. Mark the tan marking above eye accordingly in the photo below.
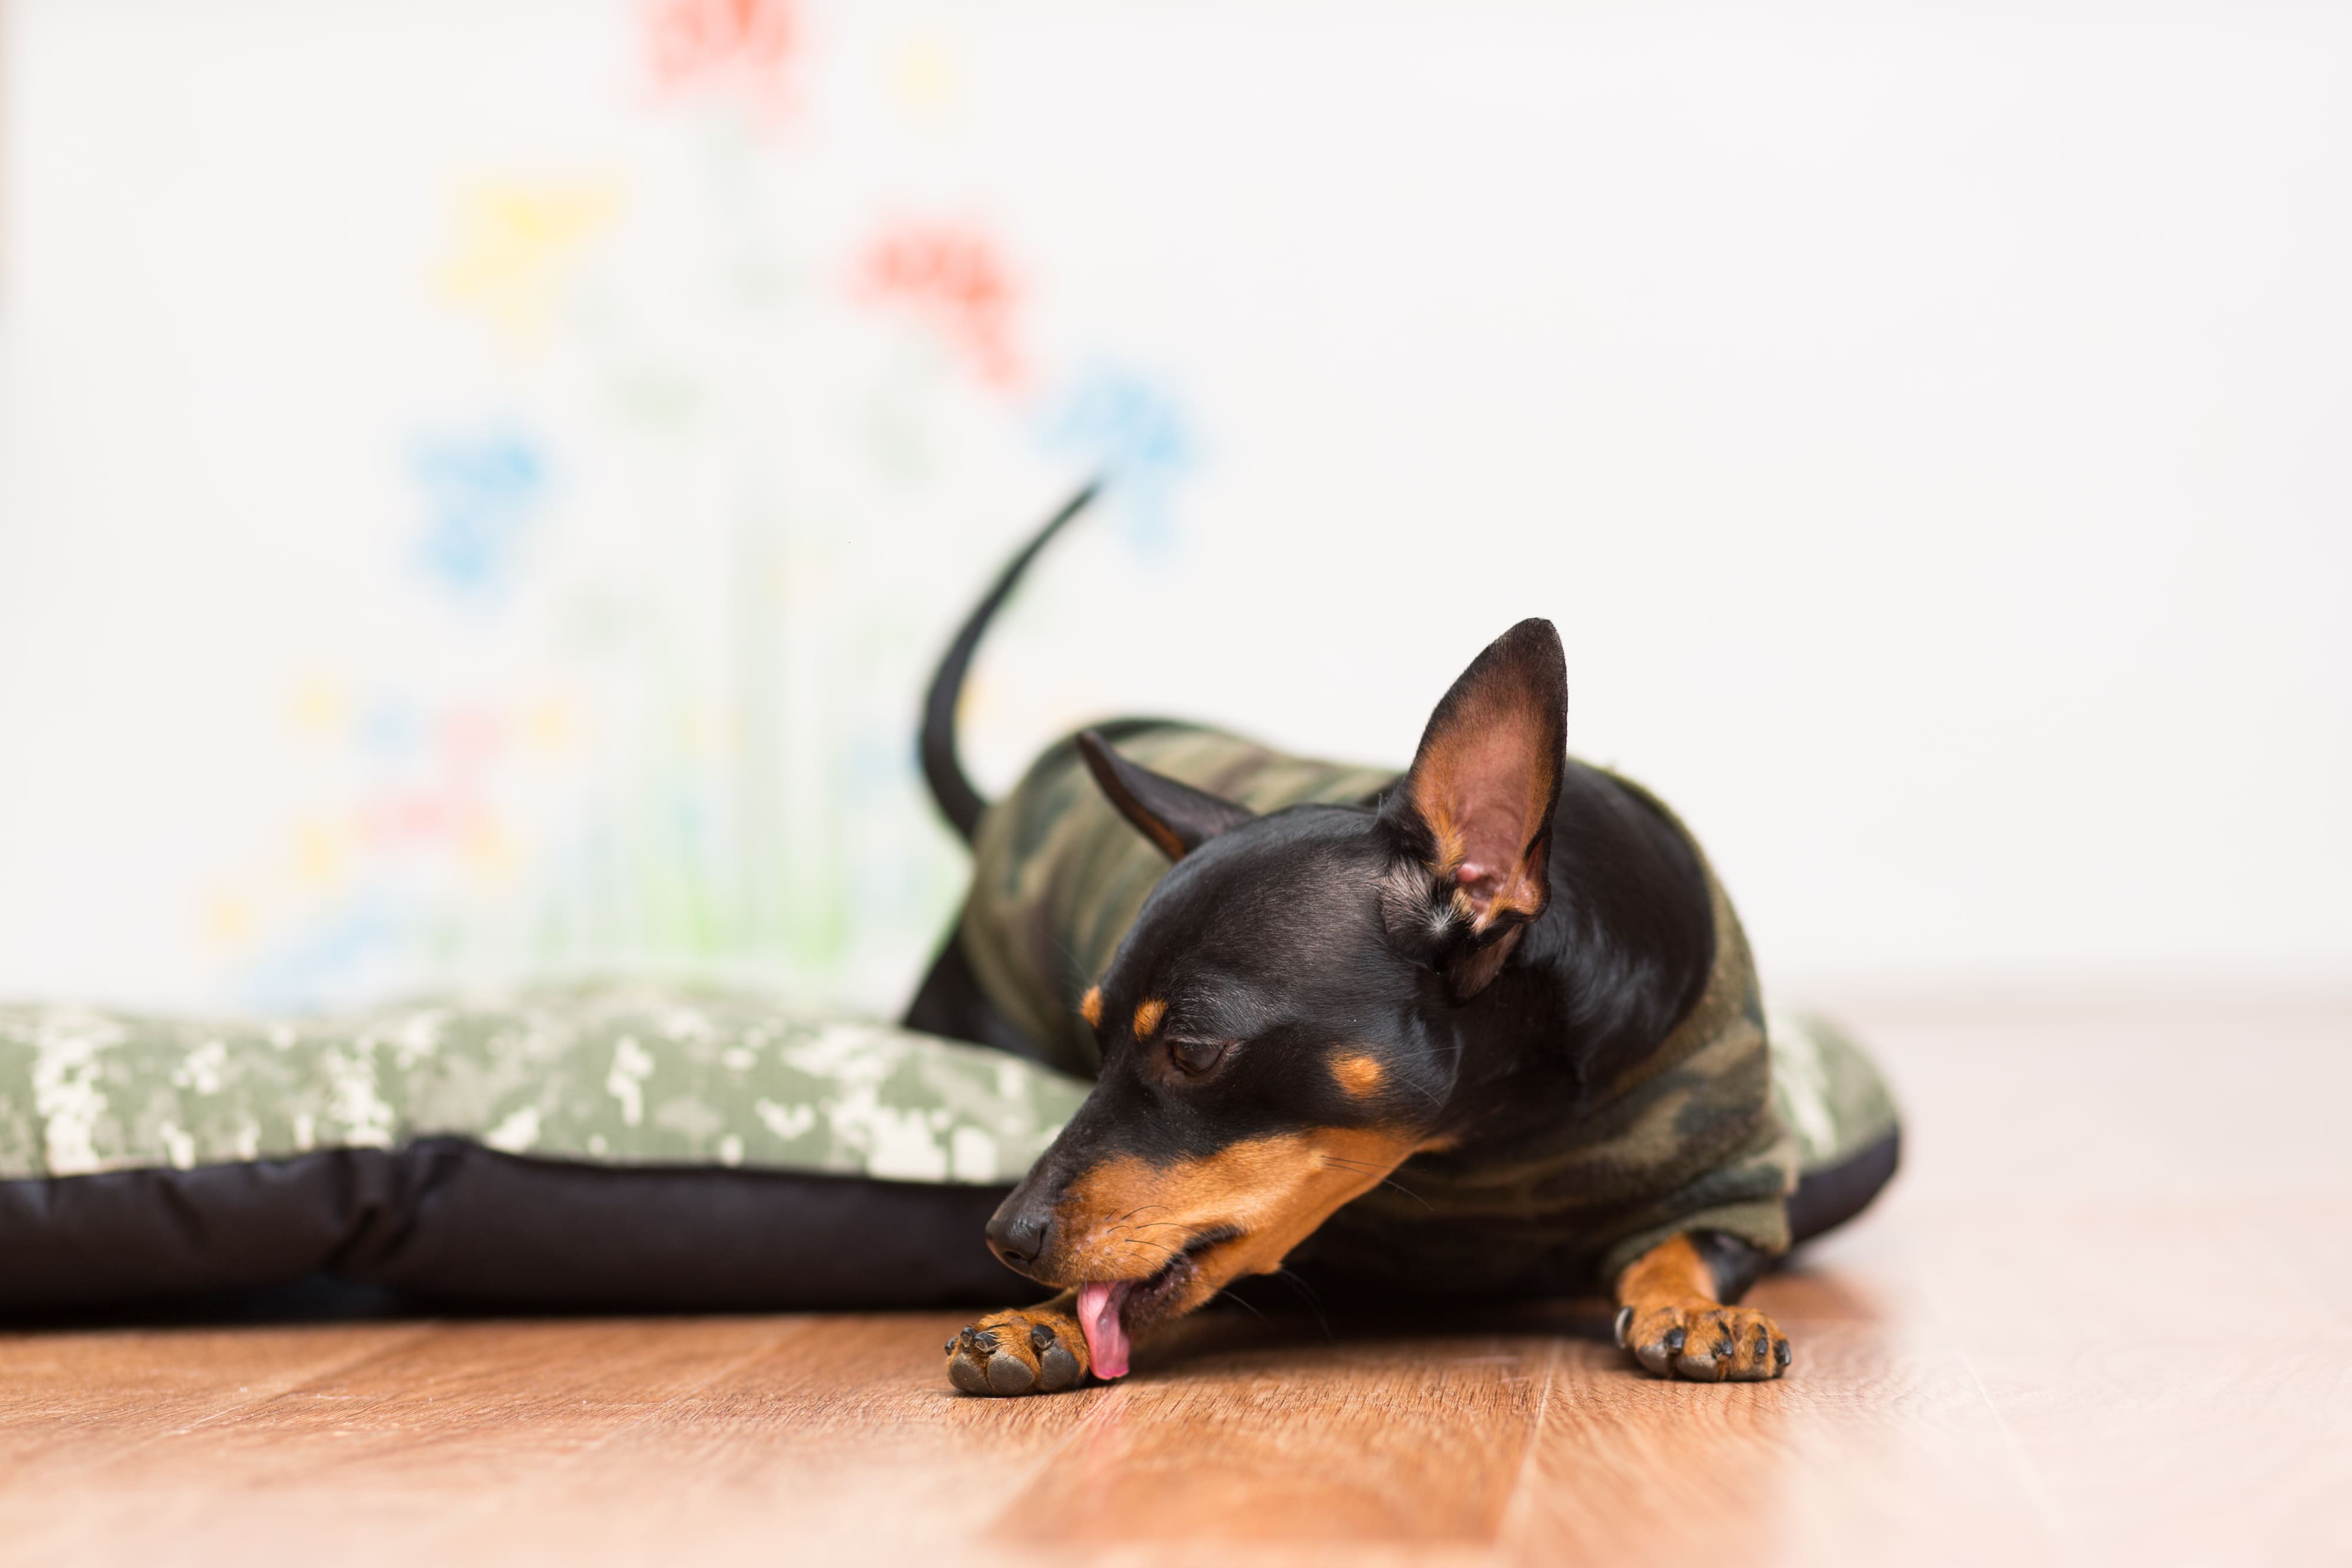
(1148, 1014)
(1358, 1074)
(1090, 1006)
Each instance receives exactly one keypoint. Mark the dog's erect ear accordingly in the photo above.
(1176, 817)
(1478, 804)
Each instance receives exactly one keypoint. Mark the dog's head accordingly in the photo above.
(1278, 1027)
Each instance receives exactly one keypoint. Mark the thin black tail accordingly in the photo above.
(958, 801)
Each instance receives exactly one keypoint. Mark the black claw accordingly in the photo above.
(1675, 1339)
(1040, 1336)
(1624, 1325)
(1763, 1345)
(1780, 1352)
(948, 1347)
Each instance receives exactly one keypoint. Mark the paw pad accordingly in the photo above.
(1010, 1375)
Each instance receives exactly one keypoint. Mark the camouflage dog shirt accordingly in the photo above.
(1689, 1137)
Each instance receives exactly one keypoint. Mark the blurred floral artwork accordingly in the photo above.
(483, 487)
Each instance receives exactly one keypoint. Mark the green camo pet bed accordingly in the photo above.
(583, 1147)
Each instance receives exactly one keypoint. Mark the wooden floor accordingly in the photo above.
(2101, 1320)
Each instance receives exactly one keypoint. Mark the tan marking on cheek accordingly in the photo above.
(1090, 1006)
(1148, 1014)
(1358, 1075)
(1127, 1218)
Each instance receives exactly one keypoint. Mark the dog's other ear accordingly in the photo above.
(1176, 817)
(1477, 805)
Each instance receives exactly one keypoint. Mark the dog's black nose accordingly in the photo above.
(1019, 1238)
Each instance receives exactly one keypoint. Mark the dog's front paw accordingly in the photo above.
(1703, 1343)
(1035, 1351)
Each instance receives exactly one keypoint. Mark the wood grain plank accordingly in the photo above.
(1878, 1447)
(2169, 1371)
(1251, 1436)
(844, 1441)
(472, 1402)
(73, 1400)
(384, 1453)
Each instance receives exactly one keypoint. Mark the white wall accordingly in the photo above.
(466, 507)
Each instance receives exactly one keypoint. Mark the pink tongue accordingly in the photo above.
(1099, 1307)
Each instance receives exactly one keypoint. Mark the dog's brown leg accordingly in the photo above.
(1029, 1350)
(1667, 1315)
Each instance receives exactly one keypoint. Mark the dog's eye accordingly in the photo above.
(1198, 1056)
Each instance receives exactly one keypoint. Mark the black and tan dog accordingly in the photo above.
(1486, 1028)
